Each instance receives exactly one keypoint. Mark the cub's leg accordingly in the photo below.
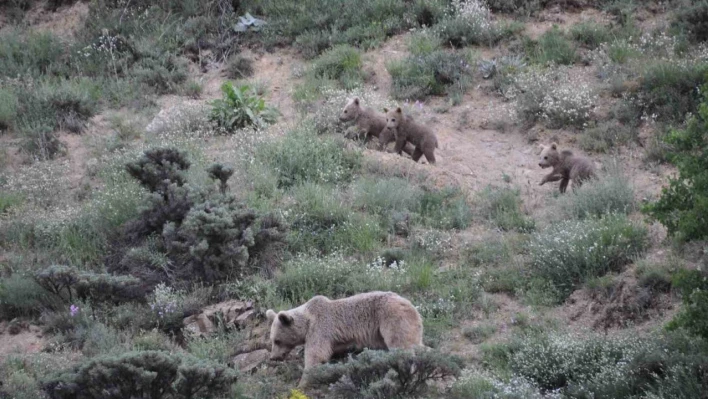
(564, 185)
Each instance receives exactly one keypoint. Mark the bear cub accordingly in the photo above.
(374, 320)
(368, 122)
(406, 130)
(566, 167)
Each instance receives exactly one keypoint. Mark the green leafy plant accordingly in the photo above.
(241, 107)
(683, 204)
(693, 285)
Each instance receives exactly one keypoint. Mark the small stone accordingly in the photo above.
(245, 317)
(247, 362)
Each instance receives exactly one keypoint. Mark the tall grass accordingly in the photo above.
(611, 193)
(502, 206)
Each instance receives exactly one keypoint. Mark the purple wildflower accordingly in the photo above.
(73, 310)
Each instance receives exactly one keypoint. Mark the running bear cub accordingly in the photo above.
(406, 130)
(566, 166)
(369, 122)
(374, 320)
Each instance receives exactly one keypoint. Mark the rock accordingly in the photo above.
(247, 362)
(230, 313)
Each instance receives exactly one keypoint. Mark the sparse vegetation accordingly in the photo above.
(241, 107)
(502, 206)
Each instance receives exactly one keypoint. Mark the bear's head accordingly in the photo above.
(393, 118)
(287, 330)
(549, 155)
(351, 110)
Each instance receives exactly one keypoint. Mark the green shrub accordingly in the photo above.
(239, 67)
(655, 277)
(315, 25)
(377, 374)
(608, 136)
(387, 195)
(8, 109)
(33, 54)
(217, 348)
(435, 73)
(611, 192)
(241, 107)
(9, 201)
(553, 48)
(301, 157)
(693, 317)
(217, 238)
(518, 7)
(684, 202)
(341, 63)
(480, 333)
(692, 20)
(621, 51)
(150, 374)
(22, 296)
(502, 206)
(571, 251)
(445, 208)
(333, 276)
(590, 34)
(668, 89)
(469, 23)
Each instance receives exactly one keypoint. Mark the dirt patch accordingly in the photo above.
(623, 304)
(63, 22)
(29, 339)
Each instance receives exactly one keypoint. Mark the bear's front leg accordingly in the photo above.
(385, 137)
(315, 354)
(400, 143)
(550, 177)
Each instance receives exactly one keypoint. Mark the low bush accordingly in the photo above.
(607, 136)
(502, 206)
(434, 73)
(333, 276)
(241, 107)
(668, 88)
(553, 48)
(22, 297)
(480, 333)
(571, 251)
(610, 193)
(684, 202)
(469, 23)
(376, 374)
(590, 34)
(150, 374)
(32, 54)
(239, 67)
(301, 157)
(341, 63)
(524, 8)
(445, 208)
(8, 109)
(693, 286)
(554, 96)
(692, 20)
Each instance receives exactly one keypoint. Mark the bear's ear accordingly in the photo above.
(285, 318)
(398, 110)
(356, 100)
(554, 146)
(385, 109)
(270, 314)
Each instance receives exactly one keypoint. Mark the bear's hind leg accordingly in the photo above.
(430, 155)
(417, 154)
(563, 185)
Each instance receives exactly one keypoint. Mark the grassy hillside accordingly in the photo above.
(162, 159)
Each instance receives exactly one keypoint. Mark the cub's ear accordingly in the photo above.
(554, 146)
(385, 109)
(285, 318)
(270, 314)
(356, 100)
(541, 147)
(399, 110)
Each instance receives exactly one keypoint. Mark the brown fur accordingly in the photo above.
(406, 130)
(566, 166)
(370, 123)
(375, 320)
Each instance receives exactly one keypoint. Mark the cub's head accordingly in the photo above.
(393, 118)
(287, 330)
(351, 110)
(549, 155)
